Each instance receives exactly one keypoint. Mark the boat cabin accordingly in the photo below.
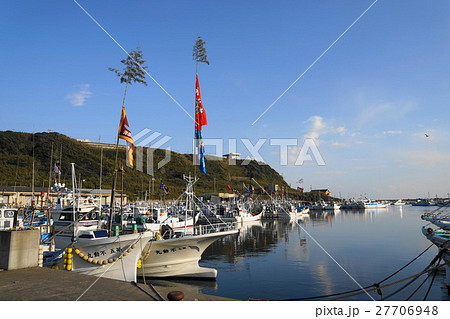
(8, 218)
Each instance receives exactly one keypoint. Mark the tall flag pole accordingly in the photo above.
(200, 120)
(125, 134)
(199, 55)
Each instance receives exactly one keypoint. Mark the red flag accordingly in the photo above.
(125, 134)
(300, 189)
(200, 115)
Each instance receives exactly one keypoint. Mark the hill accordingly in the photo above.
(16, 167)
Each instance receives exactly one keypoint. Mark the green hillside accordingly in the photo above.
(16, 167)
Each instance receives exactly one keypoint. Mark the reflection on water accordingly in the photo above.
(277, 260)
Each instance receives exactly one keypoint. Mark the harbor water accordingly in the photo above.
(324, 255)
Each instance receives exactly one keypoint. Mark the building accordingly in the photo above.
(324, 191)
(233, 156)
(20, 196)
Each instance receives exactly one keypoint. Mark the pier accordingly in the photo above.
(45, 284)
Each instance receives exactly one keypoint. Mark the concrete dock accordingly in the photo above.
(44, 284)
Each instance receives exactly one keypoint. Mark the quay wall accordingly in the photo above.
(19, 249)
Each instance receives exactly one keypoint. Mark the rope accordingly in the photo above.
(432, 280)
(376, 286)
(438, 256)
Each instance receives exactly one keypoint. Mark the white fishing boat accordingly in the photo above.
(8, 218)
(248, 214)
(439, 237)
(177, 253)
(155, 217)
(398, 203)
(373, 205)
(75, 220)
(179, 256)
(108, 257)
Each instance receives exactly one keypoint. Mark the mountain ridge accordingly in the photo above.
(52, 148)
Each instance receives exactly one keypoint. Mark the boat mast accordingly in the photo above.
(73, 202)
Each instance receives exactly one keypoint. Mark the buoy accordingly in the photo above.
(90, 259)
(85, 257)
(110, 260)
(69, 267)
(77, 251)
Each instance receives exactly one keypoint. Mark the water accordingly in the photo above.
(273, 260)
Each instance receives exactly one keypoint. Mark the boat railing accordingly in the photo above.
(214, 228)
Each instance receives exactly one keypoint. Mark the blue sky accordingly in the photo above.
(368, 101)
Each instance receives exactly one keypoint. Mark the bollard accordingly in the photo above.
(116, 230)
(135, 229)
(175, 296)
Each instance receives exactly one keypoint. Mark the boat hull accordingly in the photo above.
(110, 257)
(179, 257)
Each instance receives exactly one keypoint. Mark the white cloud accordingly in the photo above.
(318, 127)
(392, 132)
(339, 145)
(79, 98)
(426, 157)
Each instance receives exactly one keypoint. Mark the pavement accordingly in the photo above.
(45, 284)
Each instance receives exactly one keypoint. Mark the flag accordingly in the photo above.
(200, 120)
(300, 189)
(200, 114)
(125, 134)
(57, 170)
(164, 187)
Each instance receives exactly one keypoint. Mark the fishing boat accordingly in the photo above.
(155, 217)
(423, 202)
(368, 204)
(398, 203)
(177, 253)
(75, 220)
(332, 206)
(439, 237)
(439, 217)
(248, 213)
(113, 257)
(8, 218)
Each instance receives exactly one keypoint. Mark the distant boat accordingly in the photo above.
(423, 202)
(332, 206)
(371, 205)
(398, 203)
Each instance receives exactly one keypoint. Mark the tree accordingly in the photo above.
(134, 70)
(199, 52)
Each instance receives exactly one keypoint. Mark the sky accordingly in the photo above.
(346, 95)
